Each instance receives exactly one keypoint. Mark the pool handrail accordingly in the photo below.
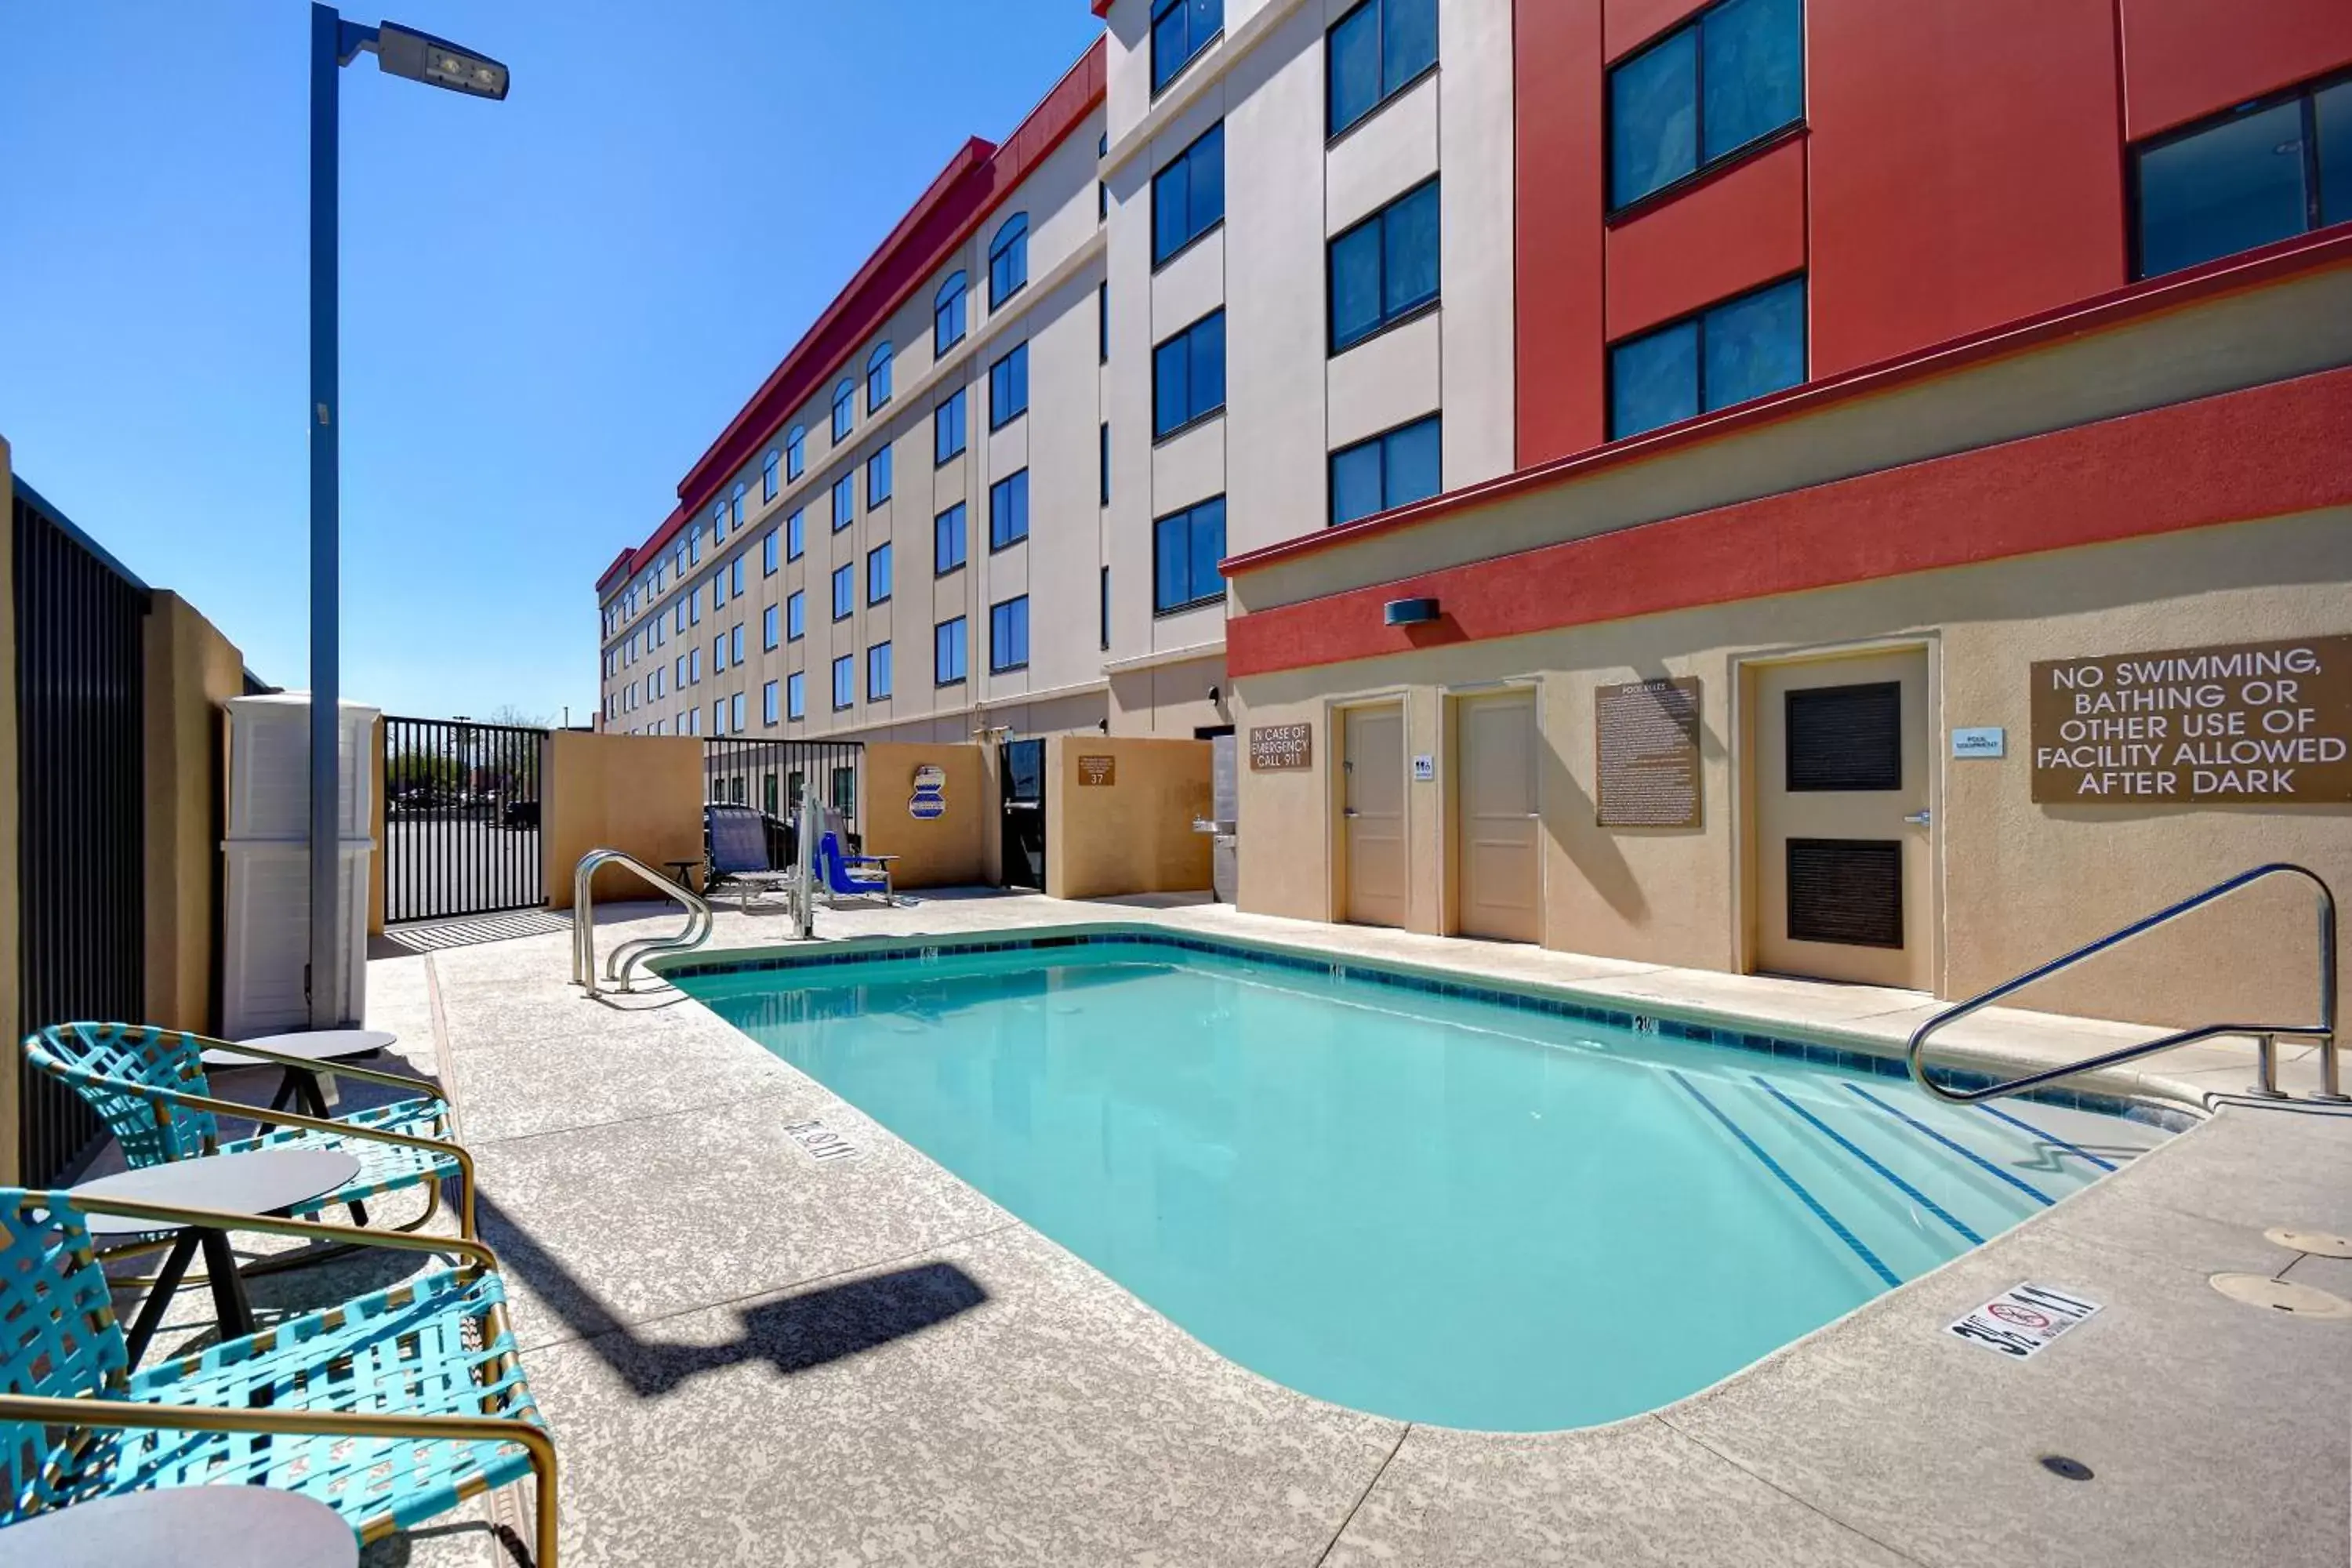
(628, 954)
(2331, 1090)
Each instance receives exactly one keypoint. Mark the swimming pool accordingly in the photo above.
(1475, 1210)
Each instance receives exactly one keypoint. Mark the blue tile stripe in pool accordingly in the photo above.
(1555, 1005)
(1962, 1150)
(1959, 1229)
(2052, 1137)
(1837, 1226)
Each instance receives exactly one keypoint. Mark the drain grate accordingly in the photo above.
(2283, 1296)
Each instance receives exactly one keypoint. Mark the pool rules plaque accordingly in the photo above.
(1646, 737)
(2255, 723)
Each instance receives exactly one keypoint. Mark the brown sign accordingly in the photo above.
(2268, 723)
(1646, 734)
(1098, 769)
(1278, 748)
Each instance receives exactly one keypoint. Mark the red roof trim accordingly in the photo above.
(951, 209)
(1100, 7)
(2316, 252)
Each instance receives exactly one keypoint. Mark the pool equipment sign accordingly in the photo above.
(2023, 1320)
(1983, 741)
(929, 801)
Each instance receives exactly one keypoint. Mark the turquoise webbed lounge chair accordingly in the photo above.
(392, 1408)
(148, 1086)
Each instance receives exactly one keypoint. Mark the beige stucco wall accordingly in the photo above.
(11, 1063)
(192, 671)
(946, 851)
(2019, 883)
(1135, 834)
(642, 793)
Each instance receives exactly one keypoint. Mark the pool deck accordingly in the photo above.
(748, 1356)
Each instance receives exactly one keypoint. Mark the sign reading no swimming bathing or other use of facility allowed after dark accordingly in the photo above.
(1278, 748)
(1646, 734)
(2267, 723)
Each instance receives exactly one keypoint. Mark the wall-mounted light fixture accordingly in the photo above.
(1408, 612)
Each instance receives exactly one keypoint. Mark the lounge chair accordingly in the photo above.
(840, 874)
(739, 854)
(148, 1085)
(392, 1408)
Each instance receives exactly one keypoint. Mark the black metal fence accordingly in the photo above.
(80, 619)
(461, 816)
(773, 774)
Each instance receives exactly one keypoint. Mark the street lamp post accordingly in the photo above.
(420, 57)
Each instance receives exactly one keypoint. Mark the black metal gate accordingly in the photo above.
(773, 774)
(461, 817)
(1024, 770)
(81, 817)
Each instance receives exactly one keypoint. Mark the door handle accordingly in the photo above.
(1920, 818)
(1349, 811)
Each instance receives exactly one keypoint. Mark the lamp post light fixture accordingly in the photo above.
(420, 57)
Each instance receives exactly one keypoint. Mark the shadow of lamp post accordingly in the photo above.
(420, 57)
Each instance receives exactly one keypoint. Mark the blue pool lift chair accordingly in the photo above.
(840, 874)
(392, 1408)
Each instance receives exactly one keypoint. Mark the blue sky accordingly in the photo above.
(549, 305)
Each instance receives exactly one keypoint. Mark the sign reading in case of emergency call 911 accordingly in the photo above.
(2023, 1320)
(1279, 748)
(2267, 723)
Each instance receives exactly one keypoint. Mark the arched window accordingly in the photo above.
(718, 522)
(735, 507)
(844, 398)
(947, 314)
(767, 476)
(1008, 259)
(877, 377)
(796, 451)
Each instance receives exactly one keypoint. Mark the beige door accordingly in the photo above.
(1372, 815)
(1842, 841)
(1496, 828)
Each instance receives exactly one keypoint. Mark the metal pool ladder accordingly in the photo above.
(624, 958)
(2331, 1086)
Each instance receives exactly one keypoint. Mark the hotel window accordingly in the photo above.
(796, 452)
(877, 377)
(877, 575)
(735, 509)
(948, 314)
(1008, 634)
(1188, 196)
(1704, 93)
(735, 576)
(694, 545)
(719, 523)
(877, 673)
(718, 717)
(718, 653)
(878, 479)
(795, 537)
(768, 628)
(1185, 549)
(694, 665)
(844, 402)
(1728, 354)
(1188, 376)
(694, 609)
(768, 476)
(1391, 470)
(845, 681)
(796, 696)
(1102, 323)
(1008, 510)
(768, 703)
(680, 677)
(1104, 609)
(1180, 30)
(735, 642)
(1008, 260)
(718, 588)
(767, 554)
(948, 541)
(1373, 53)
(735, 707)
(795, 615)
(948, 654)
(1102, 464)
(1008, 388)
(1384, 269)
(2264, 171)
(947, 428)
(845, 501)
(845, 592)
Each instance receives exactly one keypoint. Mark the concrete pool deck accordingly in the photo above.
(748, 1356)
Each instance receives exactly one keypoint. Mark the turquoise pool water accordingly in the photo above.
(1437, 1208)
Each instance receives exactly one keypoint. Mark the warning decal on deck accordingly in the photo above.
(821, 1142)
(2023, 1319)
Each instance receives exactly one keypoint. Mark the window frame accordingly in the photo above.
(953, 296)
(996, 545)
(1185, 514)
(1697, 319)
(845, 679)
(882, 554)
(1159, 259)
(879, 465)
(796, 614)
(796, 534)
(845, 490)
(1381, 439)
(997, 419)
(1332, 133)
(845, 409)
(2306, 93)
(845, 592)
(888, 672)
(1388, 322)
(959, 401)
(770, 708)
(770, 471)
(1010, 241)
(878, 362)
(1614, 212)
(1022, 663)
(796, 697)
(1162, 81)
(795, 452)
(962, 537)
(964, 651)
(771, 627)
(1200, 415)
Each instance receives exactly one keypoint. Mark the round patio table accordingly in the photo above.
(299, 1086)
(187, 1527)
(264, 1182)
